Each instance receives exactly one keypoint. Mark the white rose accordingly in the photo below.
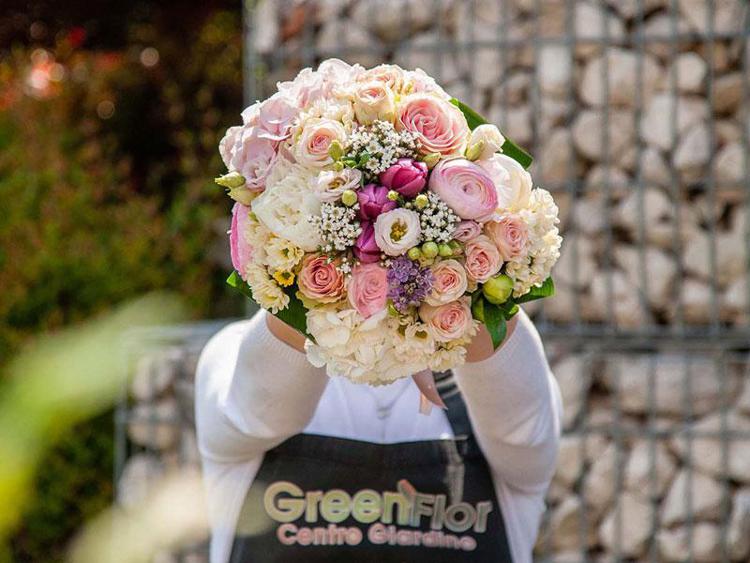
(490, 136)
(513, 183)
(329, 185)
(396, 231)
(311, 146)
(373, 101)
(287, 203)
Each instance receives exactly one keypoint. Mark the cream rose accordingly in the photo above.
(449, 282)
(448, 322)
(315, 138)
(373, 101)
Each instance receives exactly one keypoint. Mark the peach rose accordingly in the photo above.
(483, 259)
(368, 289)
(449, 282)
(373, 101)
(311, 148)
(510, 234)
(320, 279)
(439, 125)
(450, 321)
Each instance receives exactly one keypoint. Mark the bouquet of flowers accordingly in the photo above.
(383, 219)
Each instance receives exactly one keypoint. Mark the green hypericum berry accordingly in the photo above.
(393, 195)
(414, 253)
(421, 201)
(497, 289)
(349, 198)
(430, 249)
(445, 250)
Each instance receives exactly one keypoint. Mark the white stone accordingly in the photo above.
(659, 28)
(649, 269)
(599, 484)
(702, 543)
(650, 469)
(726, 16)
(601, 178)
(140, 474)
(420, 53)
(727, 92)
(635, 518)
(565, 526)
(344, 34)
(612, 289)
(694, 149)
(155, 373)
(728, 131)
(588, 133)
(622, 68)
(706, 443)
(743, 403)
(155, 425)
(730, 164)
(576, 265)
(696, 302)
(654, 168)
(669, 376)
(573, 375)
(730, 257)
(514, 89)
(557, 158)
(593, 23)
(590, 215)
(694, 495)
(402, 17)
(555, 69)
(629, 9)
(515, 123)
(650, 214)
(734, 301)
(691, 71)
(738, 532)
(656, 122)
(266, 15)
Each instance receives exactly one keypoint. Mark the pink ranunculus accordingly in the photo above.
(373, 200)
(366, 248)
(275, 118)
(368, 289)
(228, 144)
(466, 188)
(439, 125)
(467, 230)
(407, 176)
(449, 282)
(483, 259)
(242, 252)
(253, 158)
(320, 279)
(510, 234)
(450, 321)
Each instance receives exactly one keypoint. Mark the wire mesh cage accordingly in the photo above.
(637, 114)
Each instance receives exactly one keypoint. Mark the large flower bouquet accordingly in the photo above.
(383, 219)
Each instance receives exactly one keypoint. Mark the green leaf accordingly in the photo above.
(494, 320)
(547, 289)
(509, 309)
(295, 315)
(509, 148)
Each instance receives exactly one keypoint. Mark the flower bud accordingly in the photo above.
(414, 253)
(475, 151)
(392, 311)
(349, 198)
(231, 180)
(497, 289)
(430, 249)
(393, 195)
(456, 247)
(477, 310)
(445, 250)
(338, 166)
(431, 159)
(335, 150)
(421, 201)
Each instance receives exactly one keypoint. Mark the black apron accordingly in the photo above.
(318, 499)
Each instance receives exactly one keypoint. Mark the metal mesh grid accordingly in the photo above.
(649, 332)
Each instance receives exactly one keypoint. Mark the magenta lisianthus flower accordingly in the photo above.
(365, 248)
(373, 200)
(407, 176)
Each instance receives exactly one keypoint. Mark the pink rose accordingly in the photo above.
(483, 259)
(466, 188)
(439, 125)
(510, 234)
(311, 148)
(407, 176)
(467, 230)
(373, 101)
(368, 289)
(242, 252)
(253, 157)
(449, 282)
(450, 321)
(320, 279)
(390, 75)
(366, 248)
(275, 118)
(373, 200)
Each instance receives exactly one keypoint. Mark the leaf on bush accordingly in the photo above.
(547, 289)
(295, 315)
(509, 148)
(494, 320)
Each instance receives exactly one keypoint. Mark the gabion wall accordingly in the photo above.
(637, 114)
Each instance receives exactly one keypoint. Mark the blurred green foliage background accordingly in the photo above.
(109, 125)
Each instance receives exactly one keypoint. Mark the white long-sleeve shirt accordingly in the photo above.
(253, 392)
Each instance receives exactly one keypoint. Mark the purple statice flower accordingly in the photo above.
(408, 283)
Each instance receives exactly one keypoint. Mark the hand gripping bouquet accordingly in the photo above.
(384, 220)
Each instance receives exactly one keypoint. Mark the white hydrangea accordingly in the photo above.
(287, 203)
(544, 243)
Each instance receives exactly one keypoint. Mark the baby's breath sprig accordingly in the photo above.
(373, 148)
(337, 226)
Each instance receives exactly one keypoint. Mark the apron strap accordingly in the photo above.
(458, 417)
